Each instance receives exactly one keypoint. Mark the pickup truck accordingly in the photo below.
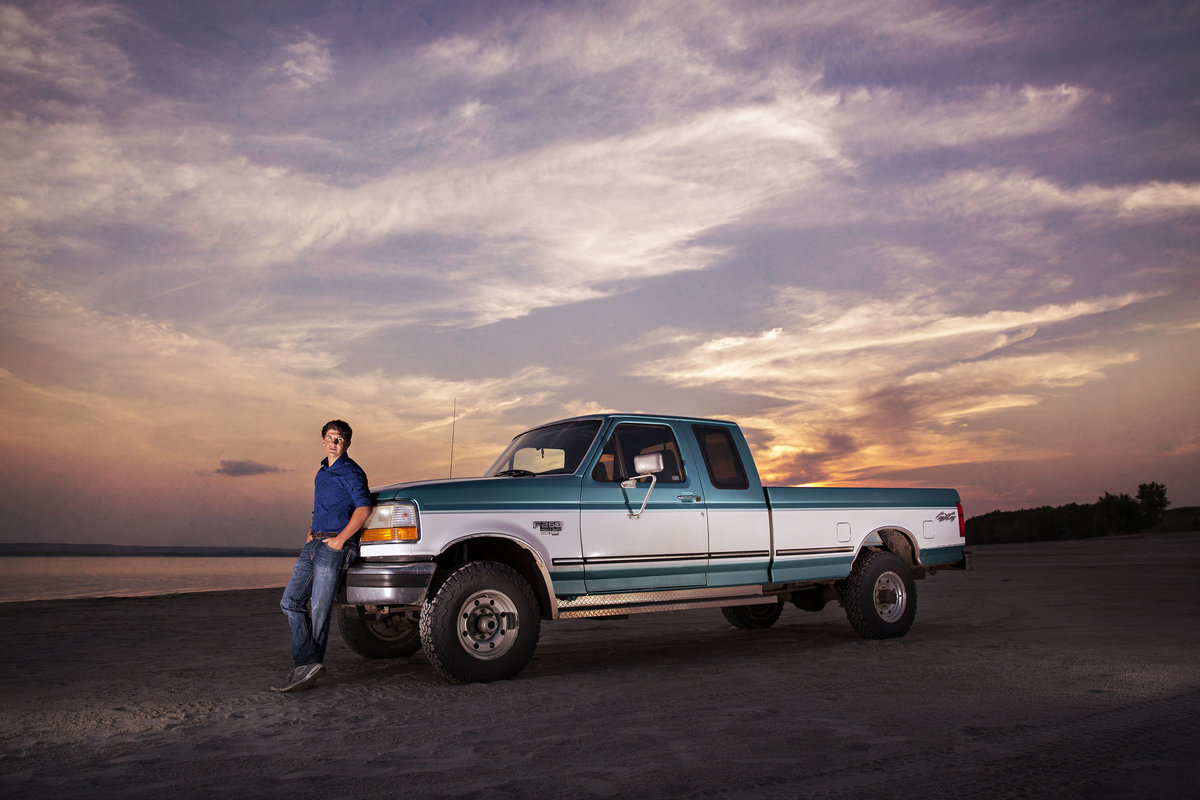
(608, 515)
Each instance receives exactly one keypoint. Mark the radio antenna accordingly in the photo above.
(453, 420)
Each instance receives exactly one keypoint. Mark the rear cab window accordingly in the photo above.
(721, 459)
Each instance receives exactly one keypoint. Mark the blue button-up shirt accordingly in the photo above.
(338, 491)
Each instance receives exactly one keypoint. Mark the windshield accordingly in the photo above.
(554, 449)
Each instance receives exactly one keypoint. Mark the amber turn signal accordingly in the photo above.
(405, 534)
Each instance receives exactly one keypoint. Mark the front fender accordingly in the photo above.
(506, 549)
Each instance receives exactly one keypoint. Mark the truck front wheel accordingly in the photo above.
(481, 625)
(374, 636)
(880, 596)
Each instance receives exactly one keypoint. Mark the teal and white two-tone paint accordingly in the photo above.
(818, 532)
(707, 521)
(540, 515)
(619, 514)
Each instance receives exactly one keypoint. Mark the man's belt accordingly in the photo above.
(324, 534)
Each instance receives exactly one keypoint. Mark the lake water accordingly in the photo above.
(61, 577)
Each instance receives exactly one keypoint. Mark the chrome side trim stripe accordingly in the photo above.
(762, 554)
(816, 551)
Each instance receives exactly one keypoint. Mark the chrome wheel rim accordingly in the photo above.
(487, 624)
(890, 597)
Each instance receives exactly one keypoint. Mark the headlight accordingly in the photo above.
(395, 522)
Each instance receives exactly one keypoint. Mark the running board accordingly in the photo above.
(617, 605)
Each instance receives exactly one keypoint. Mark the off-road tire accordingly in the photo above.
(761, 615)
(482, 624)
(393, 636)
(880, 596)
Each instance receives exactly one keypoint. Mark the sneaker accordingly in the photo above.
(288, 682)
(302, 677)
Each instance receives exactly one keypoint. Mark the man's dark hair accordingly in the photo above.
(338, 427)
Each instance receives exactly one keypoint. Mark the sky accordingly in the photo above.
(902, 243)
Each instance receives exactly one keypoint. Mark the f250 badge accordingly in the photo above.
(945, 516)
(552, 527)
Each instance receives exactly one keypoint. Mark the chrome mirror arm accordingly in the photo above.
(647, 466)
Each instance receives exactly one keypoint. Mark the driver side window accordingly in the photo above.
(635, 439)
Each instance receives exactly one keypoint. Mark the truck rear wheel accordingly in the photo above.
(761, 615)
(481, 625)
(880, 596)
(372, 636)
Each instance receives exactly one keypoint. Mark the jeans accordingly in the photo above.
(314, 583)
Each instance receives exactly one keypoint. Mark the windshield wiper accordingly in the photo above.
(515, 473)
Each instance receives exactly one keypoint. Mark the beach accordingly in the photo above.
(72, 577)
(1064, 669)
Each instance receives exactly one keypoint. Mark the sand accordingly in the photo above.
(1048, 670)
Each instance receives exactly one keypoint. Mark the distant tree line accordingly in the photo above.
(1110, 515)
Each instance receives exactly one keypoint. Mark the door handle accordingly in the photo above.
(688, 497)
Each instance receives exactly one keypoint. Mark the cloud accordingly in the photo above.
(909, 379)
(888, 120)
(573, 219)
(103, 378)
(242, 469)
(1015, 194)
(65, 48)
(557, 227)
(306, 63)
(828, 331)
(1179, 198)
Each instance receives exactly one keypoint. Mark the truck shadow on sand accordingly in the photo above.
(666, 643)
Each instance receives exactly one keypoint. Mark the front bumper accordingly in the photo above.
(370, 584)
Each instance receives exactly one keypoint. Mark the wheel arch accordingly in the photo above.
(503, 549)
(900, 542)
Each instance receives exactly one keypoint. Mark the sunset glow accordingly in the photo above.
(911, 244)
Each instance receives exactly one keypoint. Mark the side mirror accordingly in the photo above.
(646, 466)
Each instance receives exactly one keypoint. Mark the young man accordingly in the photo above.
(341, 503)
